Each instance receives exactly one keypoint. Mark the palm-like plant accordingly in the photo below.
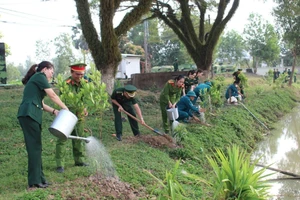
(170, 188)
(236, 177)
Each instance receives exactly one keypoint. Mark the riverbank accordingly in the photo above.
(131, 157)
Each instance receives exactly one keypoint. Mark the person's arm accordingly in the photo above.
(139, 112)
(54, 98)
(117, 104)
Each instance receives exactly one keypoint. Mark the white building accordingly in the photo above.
(130, 64)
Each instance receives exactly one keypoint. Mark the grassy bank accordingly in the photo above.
(131, 157)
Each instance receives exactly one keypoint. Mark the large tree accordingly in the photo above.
(200, 39)
(287, 15)
(104, 49)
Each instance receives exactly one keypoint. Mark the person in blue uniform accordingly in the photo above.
(201, 89)
(123, 99)
(77, 73)
(30, 112)
(186, 108)
(233, 94)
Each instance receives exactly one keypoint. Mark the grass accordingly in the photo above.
(231, 125)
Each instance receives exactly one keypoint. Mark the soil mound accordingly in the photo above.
(153, 140)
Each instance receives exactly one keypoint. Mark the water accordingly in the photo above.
(99, 159)
(281, 149)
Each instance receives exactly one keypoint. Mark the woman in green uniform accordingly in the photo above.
(189, 81)
(169, 96)
(30, 112)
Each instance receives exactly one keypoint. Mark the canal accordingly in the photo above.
(281, 150)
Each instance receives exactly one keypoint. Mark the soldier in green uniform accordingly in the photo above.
(77, 73)
(175, 65)
(189, 81)
(123, 99)
(199, 75)
(30, 112)
(169, 96)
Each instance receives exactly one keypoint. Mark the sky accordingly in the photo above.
(23, 22)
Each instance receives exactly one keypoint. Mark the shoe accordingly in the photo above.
(137, 135)
(81, 164)
(39, 185)
(46, 183)
(119, 138)
(60, 170)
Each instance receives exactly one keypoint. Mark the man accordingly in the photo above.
(175, 65)
(232, 93)
(201, 89)
(77, 73)
(186, 108)
(123, 99)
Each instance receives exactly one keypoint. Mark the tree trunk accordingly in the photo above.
(108, 78)
(293, 69)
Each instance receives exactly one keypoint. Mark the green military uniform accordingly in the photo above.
(77, 145)
(118, 95)
(171, 92)
(30, 118)
(188, 82)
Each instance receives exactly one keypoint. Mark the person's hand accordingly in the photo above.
(173, 106)
(120, 109)
(170, 105)
(202, 110)
(142, 121)
(56, 112)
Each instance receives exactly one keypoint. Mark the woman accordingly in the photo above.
(169, 96)
(189, 81)
(30, 112)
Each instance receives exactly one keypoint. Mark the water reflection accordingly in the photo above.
(281, 149)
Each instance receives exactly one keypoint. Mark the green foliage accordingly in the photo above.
(179, 133)
(235, 176)
(91, 96)
(244, 79)
(262, 40)
(169, 188)
(231, 47)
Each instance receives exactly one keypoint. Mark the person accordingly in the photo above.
(125, 75)
(201, 89)
(77, 73)
(189, 81)
(199, 75)
(232, 93)
(123, 99)
(175, 65)
(30, 112)
(277, 73)
(236, 77)
(186, 108)
(168, 98)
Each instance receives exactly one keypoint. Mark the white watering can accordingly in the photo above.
(64, 124)
(173, 115)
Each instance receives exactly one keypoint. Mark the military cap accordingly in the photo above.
(80, 67)
(130, 90)
(191, 94)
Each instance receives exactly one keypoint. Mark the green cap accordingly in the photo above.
(130, 90)
(191, 94)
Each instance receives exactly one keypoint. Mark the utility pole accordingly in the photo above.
(146, 36)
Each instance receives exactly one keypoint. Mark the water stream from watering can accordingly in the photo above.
(99, 159)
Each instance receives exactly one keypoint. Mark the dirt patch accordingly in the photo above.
(113, 187)
(153, 140)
